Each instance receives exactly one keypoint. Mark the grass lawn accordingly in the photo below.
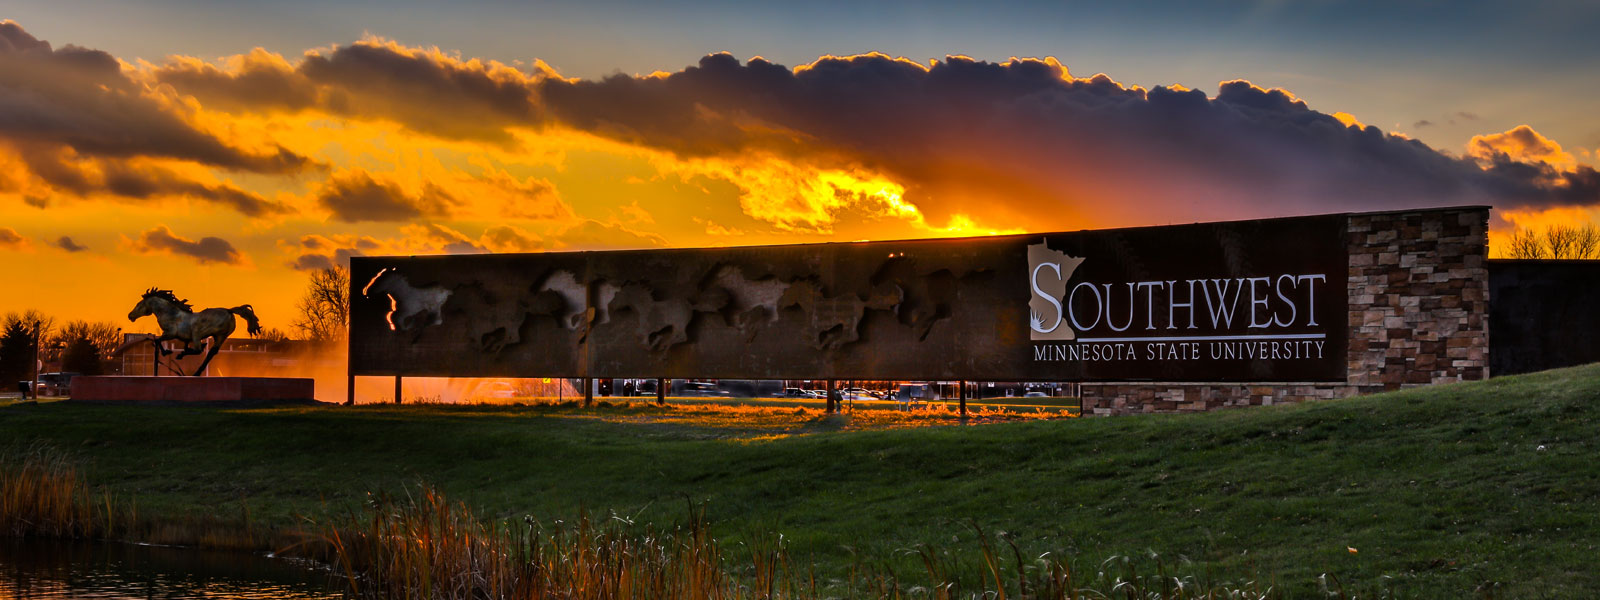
(1447, 491)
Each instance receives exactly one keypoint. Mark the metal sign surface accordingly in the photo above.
(1235, 301)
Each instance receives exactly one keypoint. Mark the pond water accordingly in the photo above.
(34, 569)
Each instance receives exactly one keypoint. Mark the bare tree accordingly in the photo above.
(1586, 242)
(32, 319)
(83, 346)
(324, 310)
(1558, 240)
(1525, 244)
(1569, 242)
(105, 336)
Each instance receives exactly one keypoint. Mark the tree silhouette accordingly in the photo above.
(18, 333)
(1568, 242)
(324, 310)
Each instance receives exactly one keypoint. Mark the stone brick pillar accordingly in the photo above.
(1418, 286)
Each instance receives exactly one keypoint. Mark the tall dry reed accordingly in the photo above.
(425, 547)
(43, 495)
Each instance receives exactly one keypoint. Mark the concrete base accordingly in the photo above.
(193, 390)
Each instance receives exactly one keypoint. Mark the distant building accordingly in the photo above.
(244, 357)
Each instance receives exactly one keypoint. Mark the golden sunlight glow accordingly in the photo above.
(1349, 120)
(961, 225)
(798, 197)
(1537, 221)
(830, 57)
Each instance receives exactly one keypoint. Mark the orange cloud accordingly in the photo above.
(1521, 144)
(55, 171)
(594, 235)
(355, 197)
(526, 198)
(506, 238)
(11, 240)
(206, 250)
(66, 243)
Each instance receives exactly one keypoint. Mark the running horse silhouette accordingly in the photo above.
(179, 322)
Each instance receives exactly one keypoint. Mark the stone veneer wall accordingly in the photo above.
(1418, 286)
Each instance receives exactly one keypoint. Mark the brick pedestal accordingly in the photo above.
(193, 390)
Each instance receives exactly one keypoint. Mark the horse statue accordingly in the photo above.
(179, 322)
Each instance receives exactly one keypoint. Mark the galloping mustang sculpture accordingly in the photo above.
(179, 322)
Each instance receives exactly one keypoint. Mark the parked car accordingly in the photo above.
(916, 392)
(795, 393)
(857, 394)
(1036, 394)
(701, 389)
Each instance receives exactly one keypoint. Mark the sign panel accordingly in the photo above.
(1237, 301)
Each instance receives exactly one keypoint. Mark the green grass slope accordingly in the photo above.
(1444, 491)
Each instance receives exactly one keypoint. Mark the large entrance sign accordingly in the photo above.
(1237, 301)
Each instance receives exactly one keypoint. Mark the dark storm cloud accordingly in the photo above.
(357, 197)
(161, 240)
(1028, 121)
(80, 98)
(423, 91)
(259, 81)
(66, 243)
(959, 134)
(70, 173)
(82, 126)
(146, 182)
(315, 252)
(311, 262)
(447, 240)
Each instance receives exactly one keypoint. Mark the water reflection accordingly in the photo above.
(38, 570)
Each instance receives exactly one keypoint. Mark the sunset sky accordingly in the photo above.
(223, 149)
